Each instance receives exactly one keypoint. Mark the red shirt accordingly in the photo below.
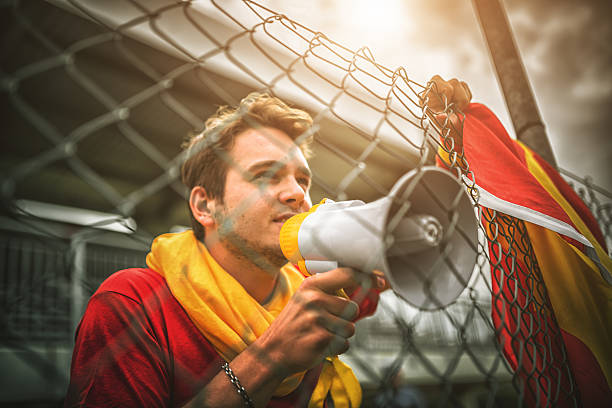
(136, 347)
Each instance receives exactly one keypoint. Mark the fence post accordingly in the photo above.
(511, 75)
(78, 295)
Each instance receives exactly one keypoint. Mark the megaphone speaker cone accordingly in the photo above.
(422, 236)
(431, 277)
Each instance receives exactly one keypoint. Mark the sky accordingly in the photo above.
(565, 46)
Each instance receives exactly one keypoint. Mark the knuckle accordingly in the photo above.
(307, 295)
(311, 318)
(301, 298)
(319, 320)
(308, 282)
(436, 78)
(313, 300)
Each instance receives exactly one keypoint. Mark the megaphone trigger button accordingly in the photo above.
(381, 283)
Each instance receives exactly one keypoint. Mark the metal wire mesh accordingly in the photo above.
(96, 100)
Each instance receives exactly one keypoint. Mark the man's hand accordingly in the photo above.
(444, 102)
(440, 94)
(314, 324)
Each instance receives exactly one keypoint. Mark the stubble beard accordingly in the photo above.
(266, 257)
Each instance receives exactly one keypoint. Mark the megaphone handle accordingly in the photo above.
(368, 299)
(325, 266)
(320, 266)
(366, 296)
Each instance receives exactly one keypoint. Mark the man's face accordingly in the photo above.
(267, 182)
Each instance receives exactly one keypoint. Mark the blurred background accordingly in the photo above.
(564, 45)
(96, 98)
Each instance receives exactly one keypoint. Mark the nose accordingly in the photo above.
(292, 194)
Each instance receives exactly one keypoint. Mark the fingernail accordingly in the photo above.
(356, 311)
(380, 282)
(351, 311)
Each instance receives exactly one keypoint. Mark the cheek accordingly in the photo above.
(241, 195)
(252, 210)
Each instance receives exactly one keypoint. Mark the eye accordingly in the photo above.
(304, 182)
(264, 176)
(261, 176)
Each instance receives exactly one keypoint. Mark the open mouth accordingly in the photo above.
(283, 217)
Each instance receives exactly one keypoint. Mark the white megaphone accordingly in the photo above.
(422, 236)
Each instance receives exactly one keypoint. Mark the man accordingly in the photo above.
(218, 319)
(159, 336)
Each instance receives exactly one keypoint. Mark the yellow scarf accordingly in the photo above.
(231, 319)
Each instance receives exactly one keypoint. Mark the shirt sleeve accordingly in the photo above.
(116, 360)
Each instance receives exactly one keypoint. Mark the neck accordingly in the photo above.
(257, 276)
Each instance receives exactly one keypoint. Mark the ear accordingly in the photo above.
(201, 207)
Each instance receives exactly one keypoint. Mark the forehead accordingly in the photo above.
(254, 145)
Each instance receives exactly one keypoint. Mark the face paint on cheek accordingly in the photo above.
(239, 238)
(225, 223)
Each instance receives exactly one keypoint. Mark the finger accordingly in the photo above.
(373, 281)
(448, 124)
(364, 281)
(430, 89)
(337, 345)
(460, 95)
(441, 94)
(334, 280)
(339, 306)
(339, 326)
(467, 91)
(381, 283)
(440, 119)
(429, 96)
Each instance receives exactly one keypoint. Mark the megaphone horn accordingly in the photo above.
(422, 236)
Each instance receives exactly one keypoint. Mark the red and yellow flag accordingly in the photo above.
(540, 227)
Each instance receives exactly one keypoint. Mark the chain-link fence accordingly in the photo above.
(96, 100)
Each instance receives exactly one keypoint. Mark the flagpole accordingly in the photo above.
(512, 77)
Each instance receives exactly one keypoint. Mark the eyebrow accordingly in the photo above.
(266, 164)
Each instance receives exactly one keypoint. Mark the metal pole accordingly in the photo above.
(78, 246)
(511, 75)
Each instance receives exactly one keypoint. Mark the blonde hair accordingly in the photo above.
(205, 165)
